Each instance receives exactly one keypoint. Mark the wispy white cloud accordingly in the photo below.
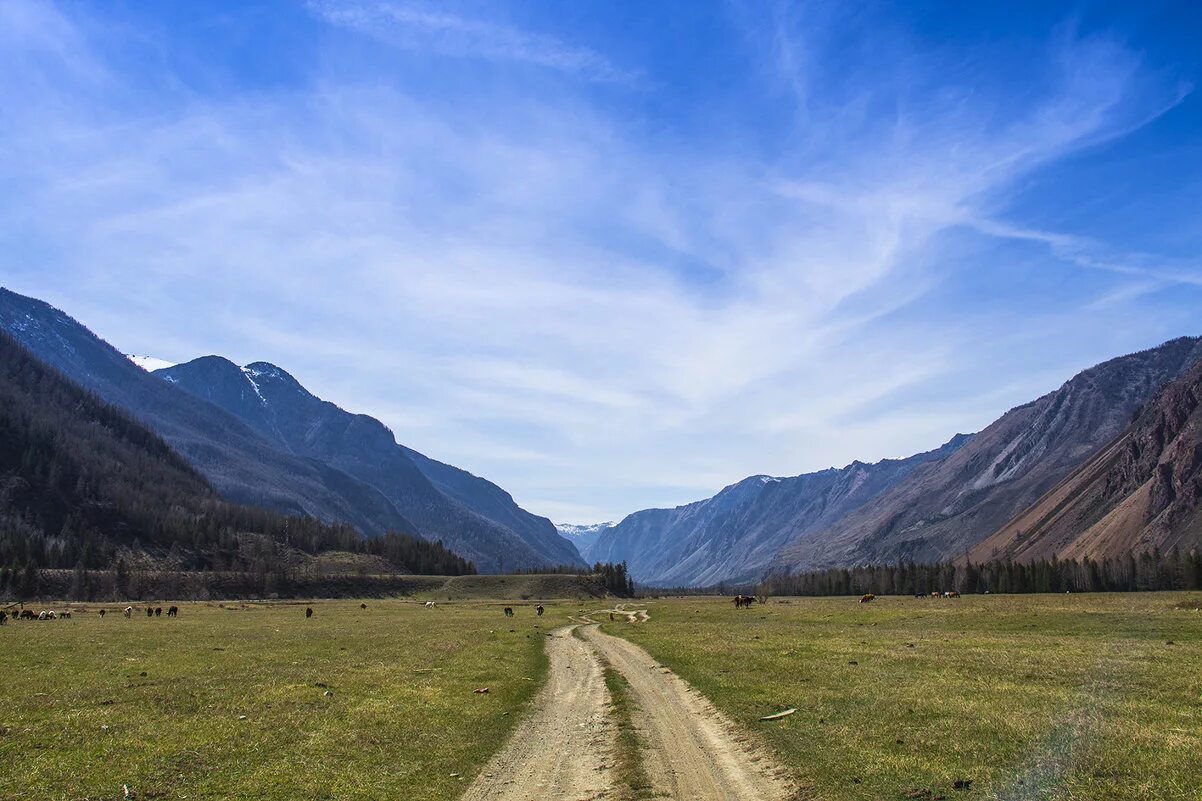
(414, 26)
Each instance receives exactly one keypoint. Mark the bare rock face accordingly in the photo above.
(946, 509)
(1139, 493)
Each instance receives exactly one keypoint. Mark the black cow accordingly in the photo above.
(540, 611)
(308, 611)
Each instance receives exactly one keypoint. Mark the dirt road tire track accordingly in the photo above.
(689, 750)
(563, 749)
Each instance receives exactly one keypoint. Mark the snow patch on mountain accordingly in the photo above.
(149, 363)
(575, 530)
(251, 375)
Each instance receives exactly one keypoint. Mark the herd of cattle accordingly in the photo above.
(65, 614)
(741, 602)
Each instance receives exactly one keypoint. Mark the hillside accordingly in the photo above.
(350, 470)
(241, 465)
(946, 508)
(82, 484)
(440, 500)
(735, 535)
(1141, 492)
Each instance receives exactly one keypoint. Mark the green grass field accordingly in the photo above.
(1028, 697)
(90, 705)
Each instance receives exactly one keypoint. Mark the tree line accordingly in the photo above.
(614, 577)
(1153, 570)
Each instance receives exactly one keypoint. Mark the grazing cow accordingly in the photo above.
(744, 601)
(173, 611)
(867, 598)
(429, 604)
(936, 594)
(611, 616)
(3, 617)
(362, 606)
(129, 611)
(149, 612)
(102, 613)
(539, 610)
(509, 611)
(42, 615)
(308, 611)
(27, 614)
(158, 611)
(952, 594)
(65, 615)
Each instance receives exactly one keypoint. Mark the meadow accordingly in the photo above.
(1084, 697)
(253, 700)
(1079, 697)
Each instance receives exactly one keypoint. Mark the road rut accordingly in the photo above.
(690, 751)
(563, 749)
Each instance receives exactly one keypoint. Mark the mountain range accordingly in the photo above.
(1107, 463)
(933, 506)
(349, 468)
(84, 485)
(736, 535)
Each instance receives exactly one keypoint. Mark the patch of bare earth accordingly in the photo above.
(564, 749)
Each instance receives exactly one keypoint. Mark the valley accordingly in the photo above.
(1050, 696)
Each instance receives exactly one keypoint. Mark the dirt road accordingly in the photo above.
(690, 751)
(563, 750)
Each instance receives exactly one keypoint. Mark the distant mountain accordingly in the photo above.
(735, 535)
(490, 501)
(583, 536)
(239, 463)
(1141, 492)
(471, 515)
(948, 507)
(83, 484)
(348, 468)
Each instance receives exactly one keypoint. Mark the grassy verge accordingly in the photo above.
(250, 700)
(1050, 697)
(631, 778)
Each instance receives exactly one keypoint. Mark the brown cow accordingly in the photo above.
(173, 611)
(867, 598)
(308, 611)
(744, 601)
(158, 611)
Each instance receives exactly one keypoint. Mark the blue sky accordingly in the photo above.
(616, 255)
